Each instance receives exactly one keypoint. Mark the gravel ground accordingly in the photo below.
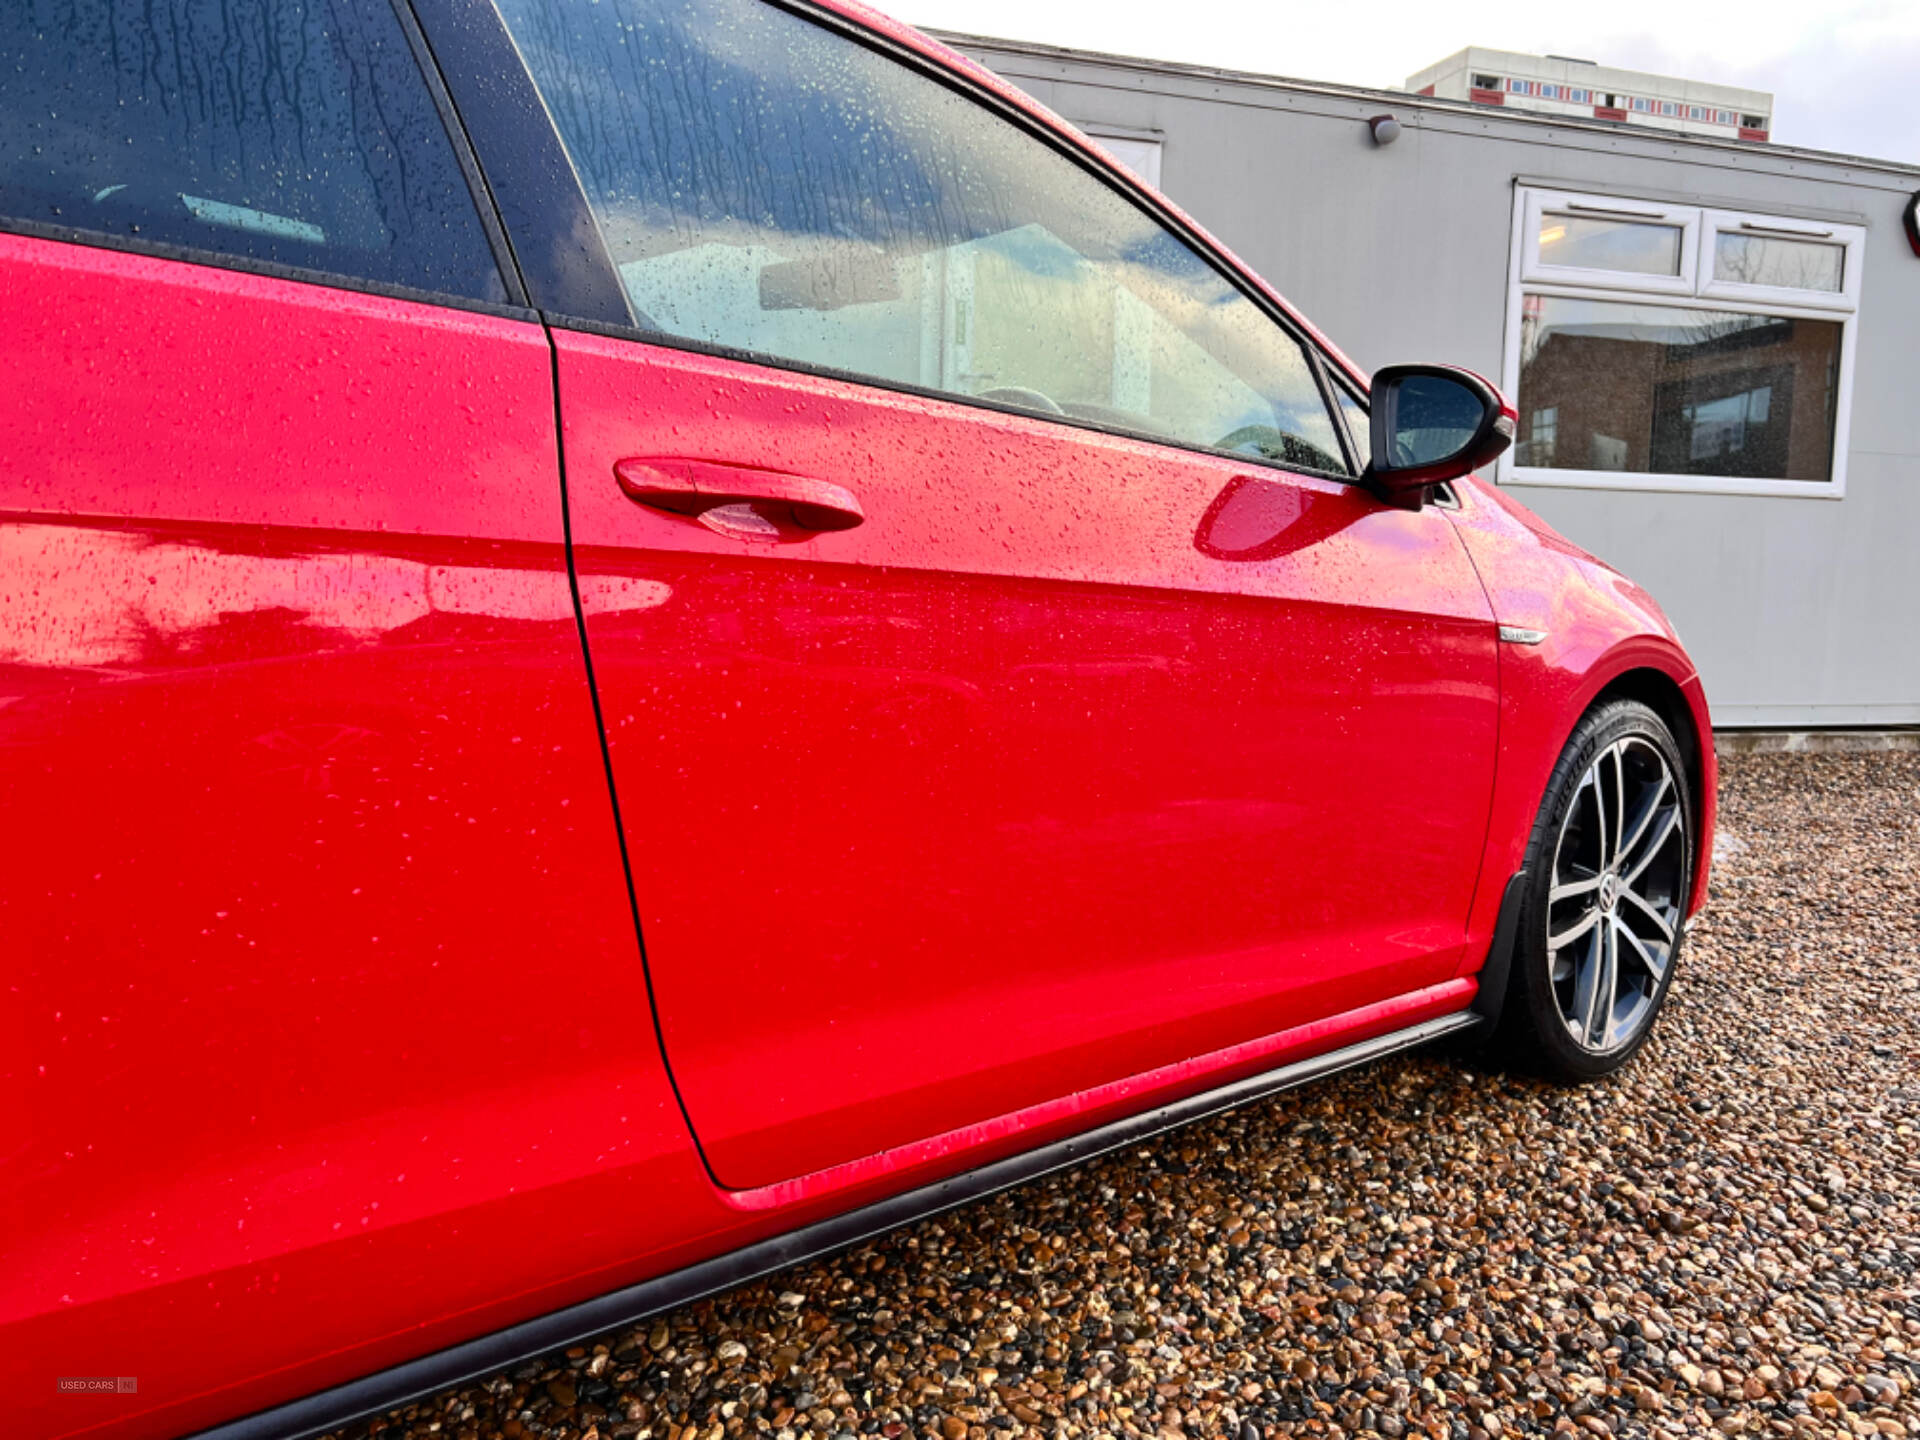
(1725, 1238)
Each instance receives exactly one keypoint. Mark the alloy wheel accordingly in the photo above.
(1614, 907)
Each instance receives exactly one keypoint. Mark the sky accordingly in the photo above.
(1845, 74)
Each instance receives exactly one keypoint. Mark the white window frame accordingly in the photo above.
(1851, 240)
(1527, 276)
(1539, 204)
(1150, 146)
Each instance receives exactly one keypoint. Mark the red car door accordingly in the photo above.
(317, 1044)
(1009, 691)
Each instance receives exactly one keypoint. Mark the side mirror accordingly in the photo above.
(1432, 423)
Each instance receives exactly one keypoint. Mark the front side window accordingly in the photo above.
(769, 187)
(1677, 348)
(299, 134)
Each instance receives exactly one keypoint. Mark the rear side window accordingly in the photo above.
(768, 186)
(298, 132)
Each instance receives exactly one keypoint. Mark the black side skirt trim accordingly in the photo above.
(1491, 998)
(389, 1389)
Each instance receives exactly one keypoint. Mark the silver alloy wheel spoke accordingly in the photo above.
(1653, 849)
(1613, 899)
(1656, 967)
(1572, 888)
(1646, 909)
(1647, 812)
(1619, 806)
(1604, 990)
(1600, 812)
(1586, 986)
(1574, 931)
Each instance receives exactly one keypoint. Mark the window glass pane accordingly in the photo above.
(1771, 260)
(1666, 390)
(769, 186)
(1142, 157)
(299, 133)
(1592, 243)
(1359, 426)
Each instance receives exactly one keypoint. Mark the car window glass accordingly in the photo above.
(768, 186)
(298, 134)
(1359, 426)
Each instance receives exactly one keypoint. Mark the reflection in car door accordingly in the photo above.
(319, 965)
(990, 735)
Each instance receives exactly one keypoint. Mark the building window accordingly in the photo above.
(1723, 117)
(1486, 82)
(1138, 150)
(1580, 97)
(1611, 244)
(1543, 425)
(1549, 92)
(1643, 105)
(1520, 87)
(1667, 107)
(1659, 347)
(1792, 262)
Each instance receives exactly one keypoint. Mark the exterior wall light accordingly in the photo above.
(1385, 129)
(1911, 219)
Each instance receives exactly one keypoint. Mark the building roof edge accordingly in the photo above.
(1040, 51)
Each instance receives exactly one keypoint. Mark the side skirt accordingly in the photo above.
(389, 1389)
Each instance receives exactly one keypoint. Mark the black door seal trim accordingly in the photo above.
(389, 1389)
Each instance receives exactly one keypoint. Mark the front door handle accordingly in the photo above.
(740, 501)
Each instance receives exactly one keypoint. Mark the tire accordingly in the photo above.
(1602, 919)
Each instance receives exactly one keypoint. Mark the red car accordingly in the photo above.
(639, 639)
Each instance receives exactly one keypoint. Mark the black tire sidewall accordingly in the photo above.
(1530, 1004)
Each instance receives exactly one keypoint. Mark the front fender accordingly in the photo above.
(1597, 633)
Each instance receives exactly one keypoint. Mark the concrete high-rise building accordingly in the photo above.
(1559, 85)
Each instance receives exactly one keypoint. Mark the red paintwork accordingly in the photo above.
(320, 974)
(1050, 773)
(1081, 775)
(1600, 626)
(873, 1176)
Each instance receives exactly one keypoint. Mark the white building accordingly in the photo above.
(1557, 85)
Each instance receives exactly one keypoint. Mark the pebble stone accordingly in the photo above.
(1723, 1240)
